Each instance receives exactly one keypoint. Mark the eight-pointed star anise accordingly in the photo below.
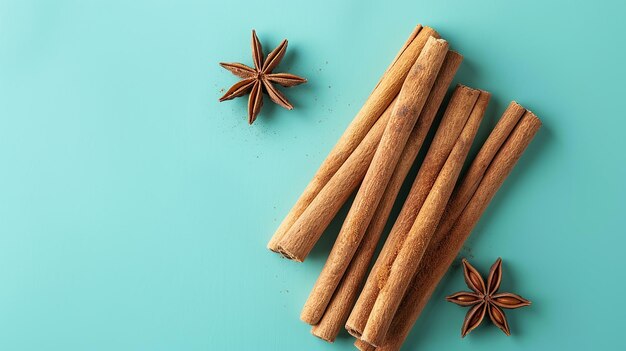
(260, 78)
(485, 299)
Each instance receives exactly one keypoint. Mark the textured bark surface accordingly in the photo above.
(452, 123)
(405, 265)
(343, 300)
(446, 244)
(378, 101)
(407, 109)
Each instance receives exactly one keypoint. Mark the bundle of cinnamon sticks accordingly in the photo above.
(375, 155)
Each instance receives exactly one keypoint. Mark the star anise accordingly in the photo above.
(485, 299)
(260, 78)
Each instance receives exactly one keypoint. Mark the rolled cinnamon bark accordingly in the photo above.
(343, 299)
(454, 119)
(380, 98)
(446, 244)
(309, 227)
(463, 193)
(411, 100)
(405, 265)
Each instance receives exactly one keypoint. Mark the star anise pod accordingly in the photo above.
(260, 79)
(485, 299)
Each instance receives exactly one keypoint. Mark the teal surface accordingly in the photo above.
(135, 208)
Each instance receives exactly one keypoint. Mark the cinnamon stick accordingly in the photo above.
(452, 123)
(300, 238)
(308, 228)
(343, 300)
(411, 100)
(416, 242)
(446, 244)
(463, 193)
(378, 101)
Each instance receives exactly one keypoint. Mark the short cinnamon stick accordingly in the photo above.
(411, 100)
(405, 265)
(342, 301)
(378, 101)
(455, 117)
(447, 243)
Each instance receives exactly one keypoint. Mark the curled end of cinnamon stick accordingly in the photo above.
(534, 120)
(516, 105)
(310, 316)
(288, 255)
(352, 331)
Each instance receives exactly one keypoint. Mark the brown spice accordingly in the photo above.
(445, 245)
(344, 297)
(375, 107)
(405, 265)
(260, 78)
(411, 100)
(485, 298)
(451, 126)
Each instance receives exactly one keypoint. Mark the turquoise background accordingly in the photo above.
(135, 208)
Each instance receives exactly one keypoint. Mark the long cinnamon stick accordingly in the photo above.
(411, 100)
(447, 243)
(463, 193)
(452, 123)
(380, 98)
(416, 242)
(342, 301)
(308, 228)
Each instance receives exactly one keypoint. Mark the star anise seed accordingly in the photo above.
(484, 298)
(260, 78)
